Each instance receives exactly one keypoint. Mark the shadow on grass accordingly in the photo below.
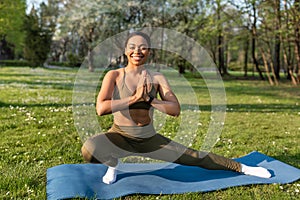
(55, 85)
(248, 107)
(266, 108)
(56, 105)
(291, 159)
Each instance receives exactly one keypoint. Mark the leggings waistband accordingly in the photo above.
(134, 131)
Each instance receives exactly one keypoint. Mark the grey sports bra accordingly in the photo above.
(122, 91)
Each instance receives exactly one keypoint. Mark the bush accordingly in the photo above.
(14, 63)
(74, 60)
(64, 64)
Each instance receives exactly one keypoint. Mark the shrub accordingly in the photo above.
(14, 63)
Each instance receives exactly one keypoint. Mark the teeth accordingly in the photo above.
(137, 57)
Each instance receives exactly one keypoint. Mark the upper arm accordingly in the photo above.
(165, 90)
(107, 86)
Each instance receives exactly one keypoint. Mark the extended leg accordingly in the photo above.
(162, 148)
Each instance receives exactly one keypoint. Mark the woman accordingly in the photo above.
(130, 95)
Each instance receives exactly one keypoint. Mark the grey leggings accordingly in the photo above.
(116, 143)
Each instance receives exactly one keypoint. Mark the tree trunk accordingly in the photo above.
(221, 60)
(255, 60)
(246, 57)
(287, 48)
(297, 37)
(276, 59)
(221, 55)
(266, 66)
(90, 56)
(90, 61)
(253, 33)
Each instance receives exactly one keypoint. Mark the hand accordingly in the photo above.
(141, 89)
(147, 87)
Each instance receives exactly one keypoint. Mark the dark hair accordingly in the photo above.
(144, 35)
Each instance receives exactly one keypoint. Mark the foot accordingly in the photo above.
(110, 176)
(256, 171)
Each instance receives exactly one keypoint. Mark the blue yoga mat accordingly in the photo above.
(85, 180)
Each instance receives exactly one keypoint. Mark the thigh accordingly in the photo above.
(162, 148)
(109, 144)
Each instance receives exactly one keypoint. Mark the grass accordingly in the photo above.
(38, 132)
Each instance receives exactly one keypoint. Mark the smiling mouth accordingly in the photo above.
(137, 57)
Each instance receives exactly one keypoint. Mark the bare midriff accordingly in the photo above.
(133, 117)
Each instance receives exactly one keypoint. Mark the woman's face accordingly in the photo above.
(137, 50)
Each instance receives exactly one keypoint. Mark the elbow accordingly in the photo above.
(176, 112)
(100, 111)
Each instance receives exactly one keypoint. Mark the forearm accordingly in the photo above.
(167, 107)
(105, 107)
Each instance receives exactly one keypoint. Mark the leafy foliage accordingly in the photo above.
(39, 28)
(12, 13)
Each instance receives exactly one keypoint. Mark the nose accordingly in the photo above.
(137, 50)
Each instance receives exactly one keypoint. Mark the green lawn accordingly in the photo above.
(38, 132)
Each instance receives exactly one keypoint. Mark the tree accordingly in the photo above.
(39, 29)
(12, 13)
(295, 10)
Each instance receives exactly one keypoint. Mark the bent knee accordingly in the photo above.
(87, 156)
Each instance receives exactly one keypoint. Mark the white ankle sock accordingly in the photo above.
(255, 171)
(110, 176)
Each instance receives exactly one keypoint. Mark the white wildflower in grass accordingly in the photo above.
(281, 187)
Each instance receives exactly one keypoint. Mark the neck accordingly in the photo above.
(134, 69)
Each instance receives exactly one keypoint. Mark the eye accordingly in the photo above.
(143, 48)
(131, 47)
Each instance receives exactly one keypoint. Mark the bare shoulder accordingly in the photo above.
(113, 74)
(159, 77)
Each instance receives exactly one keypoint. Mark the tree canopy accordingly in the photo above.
(12, 13)
(253, 36)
